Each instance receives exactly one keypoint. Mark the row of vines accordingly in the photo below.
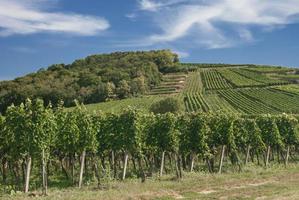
(212, 80)
(246, 104)
(258, 77)
(283, 101)
(79, 146)
(193, 83)
(239, 80)
(195, 102)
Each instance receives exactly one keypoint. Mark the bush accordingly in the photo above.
(169, 104)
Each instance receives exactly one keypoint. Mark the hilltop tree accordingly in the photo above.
(123, 90)
(84, 79)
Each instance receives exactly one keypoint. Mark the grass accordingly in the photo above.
(209, 84)
(117, 106)
(253, 183)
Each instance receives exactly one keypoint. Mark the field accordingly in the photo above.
(143, 103)
(224, 149)
(237, 89)
(252, 183)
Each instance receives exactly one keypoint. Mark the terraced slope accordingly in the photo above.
(229, 90)
(193, 83)
(171, 84)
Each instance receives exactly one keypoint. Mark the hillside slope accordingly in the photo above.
(142, 78)
(93, 79)
(245, 90)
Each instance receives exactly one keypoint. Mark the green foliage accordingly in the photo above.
(196, 135)
(131, 128)
(270, 131)
(31, 128)
(68, 131)
(287, 128)
(242, 102)
(21, 128)
(87, 130)
(107, 134)
(123, 90)
(238, 80)
(164, 136)
(90, 80)
(166, 105)
(212, 80)
(258, 77)
(44, 127)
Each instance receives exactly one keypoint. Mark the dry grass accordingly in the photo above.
(252, 183)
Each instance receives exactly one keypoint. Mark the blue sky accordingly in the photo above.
(37, 33)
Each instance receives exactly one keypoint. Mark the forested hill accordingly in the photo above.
(93, 79)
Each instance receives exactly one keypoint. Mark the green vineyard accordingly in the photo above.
(239, 80)
(212, 80)
(184, 122)
(244, 103)
(259, 77)
(195, 102)
(246, 90)
(282, 101)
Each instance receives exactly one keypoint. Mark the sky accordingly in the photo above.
(37, 33)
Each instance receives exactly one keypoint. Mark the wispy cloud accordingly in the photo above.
(151, 5)
(131, 16)
(29, 16)
(217, 23)
(182, 54)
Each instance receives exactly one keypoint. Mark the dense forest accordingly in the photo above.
(96, 78)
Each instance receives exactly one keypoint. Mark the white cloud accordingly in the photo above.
(182, 54)
(149, 5)
(218, 23)
(28, 17)
(152, 5)
(131, 16)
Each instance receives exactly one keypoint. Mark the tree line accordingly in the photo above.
(38, 143)
(94, 79)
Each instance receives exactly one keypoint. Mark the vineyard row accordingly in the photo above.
(47, 142)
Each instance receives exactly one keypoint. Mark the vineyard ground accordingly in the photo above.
(214, 89)
(254, 182)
